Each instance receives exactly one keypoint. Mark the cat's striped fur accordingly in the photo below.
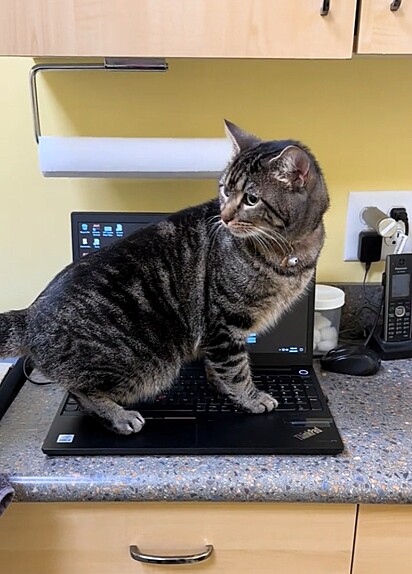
(115, 327)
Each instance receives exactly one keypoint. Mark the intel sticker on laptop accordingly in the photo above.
(65, 438)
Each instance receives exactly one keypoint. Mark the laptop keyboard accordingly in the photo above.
(191, 394)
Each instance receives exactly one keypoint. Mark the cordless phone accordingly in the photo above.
(397, 310)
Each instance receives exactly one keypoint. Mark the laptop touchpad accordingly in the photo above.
(239, 431)
(167, 433)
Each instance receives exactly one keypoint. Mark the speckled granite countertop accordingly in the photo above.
(374, 415)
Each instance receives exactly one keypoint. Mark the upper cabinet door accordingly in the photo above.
(385, 31)
(178, 28)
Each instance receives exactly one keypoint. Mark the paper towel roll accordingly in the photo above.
(203, 158)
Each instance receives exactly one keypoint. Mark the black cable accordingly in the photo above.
(367, 268)
(25, 363)
(378, 314)
(377, 308)
(357, 335)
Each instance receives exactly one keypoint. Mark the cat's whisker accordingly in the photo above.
(254, 241)
(261, 242)
(213, 219)
(216, 228)
(285, 247)
(275, 234)
(263, 245)
(267, 245)
(259, 234)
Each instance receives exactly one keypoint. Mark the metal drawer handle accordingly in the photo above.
(324, 11)
(136, 554)
(395, 5)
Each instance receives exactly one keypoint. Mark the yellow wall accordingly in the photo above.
(355, 115)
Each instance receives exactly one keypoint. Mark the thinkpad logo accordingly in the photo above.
(309, 433)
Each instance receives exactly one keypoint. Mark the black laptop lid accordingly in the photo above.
(290, 343)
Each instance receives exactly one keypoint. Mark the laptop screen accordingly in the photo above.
(289, 343)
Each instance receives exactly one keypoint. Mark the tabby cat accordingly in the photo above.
(115, 327)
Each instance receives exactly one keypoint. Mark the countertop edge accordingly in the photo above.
(26, 491)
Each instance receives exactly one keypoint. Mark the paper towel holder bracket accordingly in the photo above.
(109, 64)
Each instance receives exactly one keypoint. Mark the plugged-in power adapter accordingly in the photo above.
(369, 246)
(396, 243)
(400, 214)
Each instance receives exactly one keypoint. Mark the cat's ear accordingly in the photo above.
(241, 140)
(295, 163)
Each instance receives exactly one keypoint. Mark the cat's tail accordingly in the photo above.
(13, 333)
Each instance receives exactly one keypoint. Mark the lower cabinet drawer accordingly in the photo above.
(95, 538)
(383, 539)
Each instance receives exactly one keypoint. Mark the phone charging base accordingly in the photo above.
(391, 350)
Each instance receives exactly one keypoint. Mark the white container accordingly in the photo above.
(328, 303)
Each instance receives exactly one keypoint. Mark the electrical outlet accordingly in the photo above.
(383, 200)
(389, 244)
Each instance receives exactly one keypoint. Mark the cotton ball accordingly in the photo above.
(326, 345)
(316, 338)
(329, 333)
(321, 321)
(317, 317)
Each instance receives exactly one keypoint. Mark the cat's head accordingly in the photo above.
(271, 186)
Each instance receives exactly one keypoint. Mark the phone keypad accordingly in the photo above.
(399, 321)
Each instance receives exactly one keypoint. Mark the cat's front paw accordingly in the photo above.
(127, 422)
(261, 403)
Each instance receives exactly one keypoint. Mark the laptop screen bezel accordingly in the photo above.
(301, 359)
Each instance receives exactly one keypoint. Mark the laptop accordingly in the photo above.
(13, 374)
(192, 418)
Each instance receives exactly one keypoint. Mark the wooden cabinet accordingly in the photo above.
(94, 538)
(383, 540)
(177, 28)
(204, 28)
(383, 31)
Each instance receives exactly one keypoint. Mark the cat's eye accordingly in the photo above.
(250, 200)
(223, 191)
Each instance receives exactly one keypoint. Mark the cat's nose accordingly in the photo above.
(226, 215)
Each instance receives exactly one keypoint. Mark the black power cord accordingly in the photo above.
(28, 366)
(375, 323)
